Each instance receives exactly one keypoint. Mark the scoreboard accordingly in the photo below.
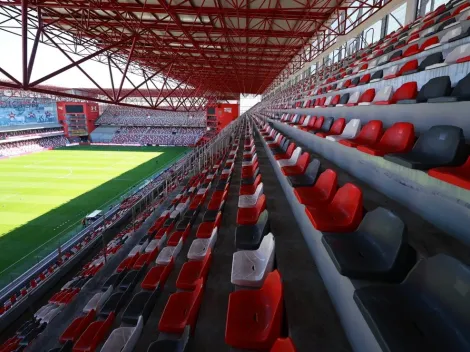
(78, 119)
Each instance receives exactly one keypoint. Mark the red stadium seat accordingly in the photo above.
(205, 229)
(181, 310)
(145, 259)
(283, 345)
(335, 100)
(412, 50)
(290, 149)
(301, 120)
(299, 167)
(409, 67)
(320, 102)
(160, 233)
(457, 175)
(156, 277)
(428, 42)
(177, 236)
(343, 214)
(217, 200)
(336, 129)
(364, 79)
(317, 125)
(249, 171)
(460, 8)
(94, 335)
(254, 317)
(77, 327)
(407, 91)
(250, 189)
(127, 263)
(367, 96)
(310, 124)
(192, 271)
(397, 139)
(369, 135)
(197, 201)
(322, 192)
(249, 216)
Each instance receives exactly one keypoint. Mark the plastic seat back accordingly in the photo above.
(371, 132)
(351, 129)
(409, 67)
(283, 345)
(462, 90)
(396, 55)
(377, 75)
(430, 60)
(408, 90)
(328, 121)
(344, 99)
(367, 96)
(318, 123)
(335, 100)
(435, 88)
(338, 126)
(355, 81)
(306, 120)
(327, 184)
(400, 137)
(272, 293)
(386, 230)
(412, 50)
(443, 144)
(250, 268)
(365, 79)
(384, 95)
(347, 202)
(428, 42)
(444, 281)
(353, 99)
(458, 55)
(312, 121)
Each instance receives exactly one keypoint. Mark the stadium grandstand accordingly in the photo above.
(191, 176)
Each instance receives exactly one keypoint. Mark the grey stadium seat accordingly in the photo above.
(460, 92)
(308, 178)
(250, 236)
(141, 304)
(432, 91)
(439, 146)
(377, 250)
(429, 311)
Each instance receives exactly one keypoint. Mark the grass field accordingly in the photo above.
(45, 195)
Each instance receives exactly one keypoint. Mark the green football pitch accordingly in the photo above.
(44, 196)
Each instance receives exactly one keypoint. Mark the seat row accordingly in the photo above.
(441, 150)
(406, 42)
(253, 267)
(422, 308)
(445, 25)
(436, 90)
(151, 262)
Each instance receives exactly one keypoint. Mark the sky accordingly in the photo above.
(49, 59)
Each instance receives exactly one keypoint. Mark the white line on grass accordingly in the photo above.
(66, 176)
(8, 197)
